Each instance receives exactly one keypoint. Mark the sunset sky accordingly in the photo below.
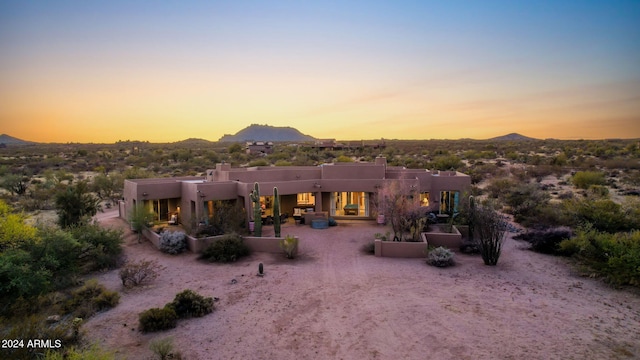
(102, 71)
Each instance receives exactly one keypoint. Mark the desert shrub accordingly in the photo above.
(91, 298)
(138, 273)
(228, 248)
(102, 247)
(190, 304)
(157, 319)
(173, 242)
(440, 257)
(369, 248)
(290, 246)
(93, 352)
(228, 217)
(58, 252)
(602, 214)
(20, 276)
(546, 241)
(446, 162)
(34, 327)
(584, 179)
(525, 201)
(598, 191)
(498, 187)
(616, 257)
(163, 348)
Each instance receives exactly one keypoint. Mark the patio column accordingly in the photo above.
(318, 196)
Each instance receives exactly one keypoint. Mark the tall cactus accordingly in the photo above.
(257, 210)
(472, 215)
(276, 212)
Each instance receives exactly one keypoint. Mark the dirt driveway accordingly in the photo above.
(334, 302)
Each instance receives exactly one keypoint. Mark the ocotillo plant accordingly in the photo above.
(276, 212)
(257, 210)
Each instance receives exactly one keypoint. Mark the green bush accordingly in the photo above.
(525, 201)
(162, 347)
(190, 304)
(34, 327)
(602, 214)
(440, 257)
(93, 352)
(585, 179)
(91, 298)
(616, 257)
(102, 247)
(156, 319)
(289, 245)
(20, 276)
(228, 248)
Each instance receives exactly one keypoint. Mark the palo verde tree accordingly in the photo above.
(139, 219)
(75, 205)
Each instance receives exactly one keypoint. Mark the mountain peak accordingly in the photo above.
(256, 132)
(12, 141)
(512, 137)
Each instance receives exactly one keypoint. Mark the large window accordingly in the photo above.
(306, 199)
(449, 202)
(349, 203)
(424, 199)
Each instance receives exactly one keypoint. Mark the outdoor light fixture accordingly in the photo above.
(317, 186)
(144, 194)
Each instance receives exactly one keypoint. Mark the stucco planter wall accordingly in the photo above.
(152, 236)
(268, 244)
(401, 249)
(438, 236)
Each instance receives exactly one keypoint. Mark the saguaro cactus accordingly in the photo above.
(472, 216)
(276, 212)
(257, 210)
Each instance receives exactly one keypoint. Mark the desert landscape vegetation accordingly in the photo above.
(566, 284)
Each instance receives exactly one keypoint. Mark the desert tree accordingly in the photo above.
(76, 204)
(139, 219)
(489, 232)
(15, 184)
(397, 200)
(108, 187)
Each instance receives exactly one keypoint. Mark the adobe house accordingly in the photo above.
(341, 190)
(259, 147)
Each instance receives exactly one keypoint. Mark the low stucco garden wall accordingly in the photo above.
(268, 244)
(400, 249)
(437, 236)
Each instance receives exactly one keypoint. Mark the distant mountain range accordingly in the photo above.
(11, 141)
(512, 137)
(257, 132)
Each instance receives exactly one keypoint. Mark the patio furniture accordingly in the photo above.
(351, 209)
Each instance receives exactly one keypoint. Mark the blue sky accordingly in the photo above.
(164, 71)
